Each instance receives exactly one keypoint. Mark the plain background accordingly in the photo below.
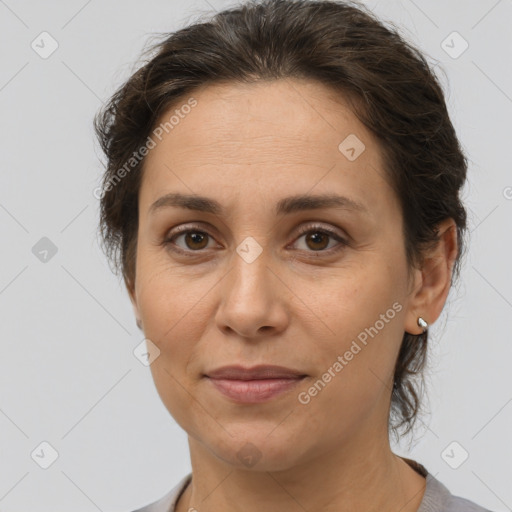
(68, 375)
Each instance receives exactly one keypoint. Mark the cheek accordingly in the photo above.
(175, 315)
(353, 298)
(170, 300)
(176, 311)
(176, 393)
(363, 309)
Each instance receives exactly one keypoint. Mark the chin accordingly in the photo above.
(259, 450)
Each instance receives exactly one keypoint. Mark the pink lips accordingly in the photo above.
(256, 384)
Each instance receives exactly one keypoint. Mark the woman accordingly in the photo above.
(282, 198)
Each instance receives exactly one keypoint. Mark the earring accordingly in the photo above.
(423, 324)
(139, 324)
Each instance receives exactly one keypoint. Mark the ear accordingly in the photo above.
(130, 286)
(433, 280)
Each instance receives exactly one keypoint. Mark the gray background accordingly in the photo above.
(67, 372)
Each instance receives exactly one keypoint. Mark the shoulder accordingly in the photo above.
(167, 503)
(437, 497)
(458, 504)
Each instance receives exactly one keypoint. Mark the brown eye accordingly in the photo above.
(188, 240)
(196, 239)
(317, 240)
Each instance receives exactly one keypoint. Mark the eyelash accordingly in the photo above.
(183, 230)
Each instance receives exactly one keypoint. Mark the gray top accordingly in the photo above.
(437, 498)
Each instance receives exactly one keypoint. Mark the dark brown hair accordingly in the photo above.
(388, 83)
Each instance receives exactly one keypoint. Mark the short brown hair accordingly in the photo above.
(388, 83)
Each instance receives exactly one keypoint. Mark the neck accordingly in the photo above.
(367, 478)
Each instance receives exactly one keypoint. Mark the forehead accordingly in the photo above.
(271, 136)
(261, 117)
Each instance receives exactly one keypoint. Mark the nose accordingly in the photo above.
(253, 299)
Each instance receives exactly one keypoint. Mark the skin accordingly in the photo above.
(298, 304)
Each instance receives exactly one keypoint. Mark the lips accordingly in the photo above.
(261, 372)
(254, 385)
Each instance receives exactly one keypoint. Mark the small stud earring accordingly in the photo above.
(423, 324)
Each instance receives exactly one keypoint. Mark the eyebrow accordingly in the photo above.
(284, 206)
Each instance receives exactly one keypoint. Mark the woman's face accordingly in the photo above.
(259, 280)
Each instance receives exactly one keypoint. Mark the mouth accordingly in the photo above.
(254, 385)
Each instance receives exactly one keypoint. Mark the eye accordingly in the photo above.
(316, 239)
(194, 240)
